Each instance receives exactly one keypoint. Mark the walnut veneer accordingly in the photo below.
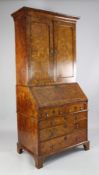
(52, 112)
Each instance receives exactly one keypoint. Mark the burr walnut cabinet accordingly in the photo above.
(52, 112)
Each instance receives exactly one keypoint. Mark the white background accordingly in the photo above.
(72, 162)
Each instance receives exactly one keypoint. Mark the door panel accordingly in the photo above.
(64, 51)
(41, 70)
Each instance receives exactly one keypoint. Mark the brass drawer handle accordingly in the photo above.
(46, 115)
(60, 112)
(81, 108)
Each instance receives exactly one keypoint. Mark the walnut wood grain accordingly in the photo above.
(61, 142)
(52, 109)
(46, 51)
(61, 119)
(64, 46)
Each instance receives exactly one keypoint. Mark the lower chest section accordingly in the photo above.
(63, 128)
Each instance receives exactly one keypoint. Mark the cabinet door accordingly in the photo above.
(64, 51)
(41, 58)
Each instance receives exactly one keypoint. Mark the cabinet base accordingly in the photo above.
(40, 159)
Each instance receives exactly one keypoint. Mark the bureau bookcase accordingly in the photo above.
(52, 110)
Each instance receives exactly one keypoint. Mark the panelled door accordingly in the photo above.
(64, 51)
(41, 57)
(52, 51)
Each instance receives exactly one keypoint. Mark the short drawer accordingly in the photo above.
(54, 145)
(78, 116)
(76, 107)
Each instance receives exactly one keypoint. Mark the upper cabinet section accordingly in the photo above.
(45, 47)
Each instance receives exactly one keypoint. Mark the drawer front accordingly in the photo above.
(54, 121)
(60, 143)
(76, 107)
(66, 128)
(79, 116)
(49, 133)
(69, 118)
(45, 113)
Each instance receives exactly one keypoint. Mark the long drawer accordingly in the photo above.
(60, 143)
(68, 119)
(45, 113)
(66, 128)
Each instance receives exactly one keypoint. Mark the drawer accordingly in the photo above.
(45, 113)
(49, 133)
(54, 121)
(69, 118)
(75, 107)
(66, 128)
(80, 116)
(60, 143)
